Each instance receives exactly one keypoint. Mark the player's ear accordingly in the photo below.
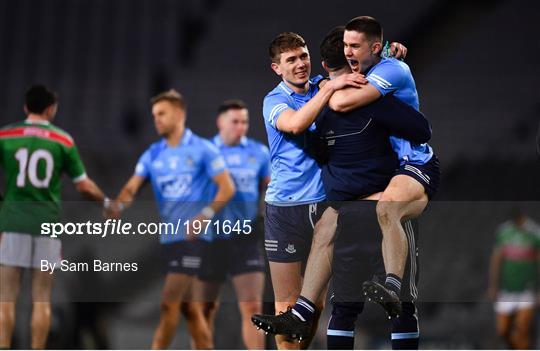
(219, 121)
(376, 48)
(324, 65)
(25, 109)
(275, 68)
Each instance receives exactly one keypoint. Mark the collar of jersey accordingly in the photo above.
(45, 123)
(186, 138)
(289, 91)
(219, 142)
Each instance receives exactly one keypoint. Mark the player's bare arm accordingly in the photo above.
(348, 99)
(89, 188)
(296, 122)
(126, 196)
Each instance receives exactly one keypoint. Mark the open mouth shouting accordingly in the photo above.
(355, 65)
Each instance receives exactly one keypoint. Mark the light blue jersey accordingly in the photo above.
(249, 164)
(296, 177)
(394, 76)
(181, 178)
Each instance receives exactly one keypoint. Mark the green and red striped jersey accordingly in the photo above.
(34, 155)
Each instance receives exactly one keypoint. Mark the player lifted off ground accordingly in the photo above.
(190, 181)
(34, 154)
(294, 195)
(415, 181)
(236, 250)
(358, 165)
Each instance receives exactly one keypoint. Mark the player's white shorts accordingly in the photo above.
(25, 250)
(510, 302)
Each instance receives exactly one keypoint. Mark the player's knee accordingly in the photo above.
(249, 308)
(344, 316)
(169, 310)
(210, 308)
(388, 212)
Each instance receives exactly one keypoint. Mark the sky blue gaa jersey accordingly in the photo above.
(249, 164)
(296, 177)
(394, 76)
(181, 178)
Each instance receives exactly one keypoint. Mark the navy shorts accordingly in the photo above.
(358, 255)
(428, 174)
(182, 257)
(234, 256)
(288, 231)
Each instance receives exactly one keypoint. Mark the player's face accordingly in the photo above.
(234, 124)
(294, 67)
(360, 53)
(167, 117)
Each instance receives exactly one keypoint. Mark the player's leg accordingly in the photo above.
(200, 310)
(405, 331)
(247, 269)
(319, 264)
(287, 284)
(41, 307)
(174, 291)
(50, 250)
(340, 332)
(521, 337)
(10, 281)
(504, 310)
(249, 289)
(403, 198)
(15, 254)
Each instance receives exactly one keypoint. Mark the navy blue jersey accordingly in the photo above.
(358, 157)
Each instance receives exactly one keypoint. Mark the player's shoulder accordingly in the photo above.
(12, 126)
(60, 131)
(204, 143)
(257, 146)
(533, 227)
(392, 64)
(504, 227)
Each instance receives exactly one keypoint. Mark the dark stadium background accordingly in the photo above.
(476, 65)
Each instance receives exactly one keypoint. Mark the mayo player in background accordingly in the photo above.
(33, 154)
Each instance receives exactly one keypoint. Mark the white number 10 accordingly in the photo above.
(22, 156)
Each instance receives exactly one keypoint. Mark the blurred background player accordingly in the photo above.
(514, 273)
(34, 154)
(237, 253)
(190, 182)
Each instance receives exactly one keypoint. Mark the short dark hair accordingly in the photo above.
(171, 96)
(233, 104)
(284, 42)
(38, 97)
(332, 49)
(367, 25)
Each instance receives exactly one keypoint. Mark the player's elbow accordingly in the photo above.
(338, 104)
(84, 186)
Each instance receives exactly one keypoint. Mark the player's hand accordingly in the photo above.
(347, 80)
(196, 227)
(114, 210)
(398, 50)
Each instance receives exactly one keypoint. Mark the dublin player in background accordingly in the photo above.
(236, 251)
(190, 181)
(34, 154)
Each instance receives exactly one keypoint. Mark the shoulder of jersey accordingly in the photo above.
(61, 131)
(256, 145)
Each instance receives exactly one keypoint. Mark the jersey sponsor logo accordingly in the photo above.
(234, 160)
(245, 180)
(41, 133)
(290, 249)
(174, 186)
